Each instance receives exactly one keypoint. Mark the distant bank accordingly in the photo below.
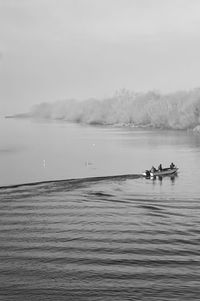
(176, 111)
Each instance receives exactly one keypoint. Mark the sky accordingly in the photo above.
(60, 49)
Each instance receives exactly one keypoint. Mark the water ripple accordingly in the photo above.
(88, 240)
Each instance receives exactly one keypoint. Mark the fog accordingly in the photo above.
(53, 50)
(180, 110)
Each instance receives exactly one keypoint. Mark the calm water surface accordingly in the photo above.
(108, 238)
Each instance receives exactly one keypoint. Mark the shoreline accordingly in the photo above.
(195, 130)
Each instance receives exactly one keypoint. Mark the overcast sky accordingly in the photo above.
(57, 49)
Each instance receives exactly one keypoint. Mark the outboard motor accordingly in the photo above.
(147, 173)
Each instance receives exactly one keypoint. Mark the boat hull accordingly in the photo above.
(164, 172)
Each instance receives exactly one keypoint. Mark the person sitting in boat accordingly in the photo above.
(153, 169)
(160, 167)
(172, 165)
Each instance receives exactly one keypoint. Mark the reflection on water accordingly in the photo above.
(160, 178)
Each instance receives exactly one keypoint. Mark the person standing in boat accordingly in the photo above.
(160, 167)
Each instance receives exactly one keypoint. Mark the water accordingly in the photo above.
(102, 238)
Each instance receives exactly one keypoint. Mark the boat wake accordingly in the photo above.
(75, 181)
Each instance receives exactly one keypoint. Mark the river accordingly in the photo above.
(88, 233)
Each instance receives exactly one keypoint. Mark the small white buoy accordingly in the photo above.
(44, 163)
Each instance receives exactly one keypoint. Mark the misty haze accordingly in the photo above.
(99, 190)
(180, 110)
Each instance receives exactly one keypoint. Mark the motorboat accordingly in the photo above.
(160, 173)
